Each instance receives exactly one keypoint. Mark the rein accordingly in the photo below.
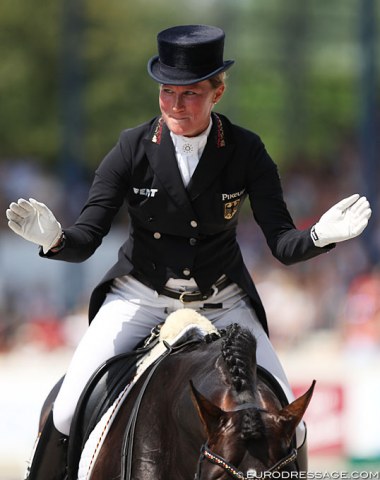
(128, 441)
(127, 449)
(232, 471)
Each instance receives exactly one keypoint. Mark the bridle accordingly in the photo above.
(231, 470)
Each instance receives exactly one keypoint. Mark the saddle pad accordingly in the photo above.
(97, 436)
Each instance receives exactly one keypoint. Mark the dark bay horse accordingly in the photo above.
(206, 414)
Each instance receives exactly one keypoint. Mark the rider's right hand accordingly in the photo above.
(35, 222)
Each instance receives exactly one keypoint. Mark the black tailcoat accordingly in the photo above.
(185, 232)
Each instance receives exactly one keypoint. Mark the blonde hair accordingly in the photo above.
(218, 80)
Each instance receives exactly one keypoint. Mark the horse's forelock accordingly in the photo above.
(239, 354)
(253, 426)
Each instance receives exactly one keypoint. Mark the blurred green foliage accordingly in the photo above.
(295, 81)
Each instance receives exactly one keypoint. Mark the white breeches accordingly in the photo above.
(127, 316)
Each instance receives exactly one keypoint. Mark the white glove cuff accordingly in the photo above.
(59, 245)
(316, 237)
(55, 239)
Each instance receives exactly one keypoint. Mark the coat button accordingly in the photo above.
(157, 235)
(186, 271)
(194, 224)
(193, 241)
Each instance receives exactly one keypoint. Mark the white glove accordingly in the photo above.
(34, 221)
(347, 219)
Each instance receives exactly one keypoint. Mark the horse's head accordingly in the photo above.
(247, 430)
(248, 440)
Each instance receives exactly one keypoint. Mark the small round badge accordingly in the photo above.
(187, 148)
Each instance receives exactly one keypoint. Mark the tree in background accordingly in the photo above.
(295, 81)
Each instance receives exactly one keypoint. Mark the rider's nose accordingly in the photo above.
(178, 104)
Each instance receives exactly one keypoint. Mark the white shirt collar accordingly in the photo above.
(191, 145)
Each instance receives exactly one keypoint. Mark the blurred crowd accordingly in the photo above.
(338, 292)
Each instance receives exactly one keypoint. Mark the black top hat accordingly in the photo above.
(188, 54)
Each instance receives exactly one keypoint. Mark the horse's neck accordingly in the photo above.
(266, 398)
(171, 417)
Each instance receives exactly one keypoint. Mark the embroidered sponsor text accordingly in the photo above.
(231, 196)
(147, 192)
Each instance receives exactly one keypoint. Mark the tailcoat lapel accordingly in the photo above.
(216, 154)
(161, 155)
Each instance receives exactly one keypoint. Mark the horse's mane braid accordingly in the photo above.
(239, 354)
(252, 425)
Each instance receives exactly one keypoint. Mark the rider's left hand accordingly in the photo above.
(347, 219)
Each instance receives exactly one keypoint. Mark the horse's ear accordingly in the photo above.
(291, 415)
(209, 413)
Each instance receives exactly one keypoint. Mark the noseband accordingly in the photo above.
(206, 453)
(232, 471)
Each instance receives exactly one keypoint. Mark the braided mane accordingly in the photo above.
(239, 354)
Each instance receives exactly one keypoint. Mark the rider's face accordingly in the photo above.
(186, 109)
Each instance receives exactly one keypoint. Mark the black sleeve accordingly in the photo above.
(288, 244)
(106, 196)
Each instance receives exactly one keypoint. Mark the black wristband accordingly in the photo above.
(313, 234)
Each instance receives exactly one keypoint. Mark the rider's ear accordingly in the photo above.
(291, 415)
(209, 413)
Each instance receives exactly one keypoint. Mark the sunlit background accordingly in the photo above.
(73, 75)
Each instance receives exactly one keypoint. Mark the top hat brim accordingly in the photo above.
(179, 76)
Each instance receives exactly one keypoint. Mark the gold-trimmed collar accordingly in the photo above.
(157, 134)
(220, 140)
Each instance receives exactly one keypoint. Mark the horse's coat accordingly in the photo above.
(206, 393)
(174, 420)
